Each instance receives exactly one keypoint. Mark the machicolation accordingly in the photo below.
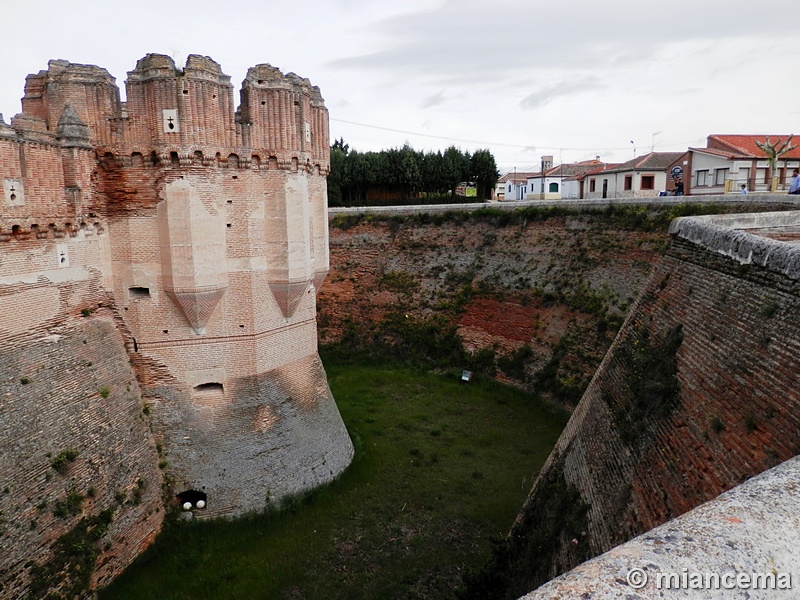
(159, 265)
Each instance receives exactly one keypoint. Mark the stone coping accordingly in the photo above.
(752, 528)
(729, 235)
(570, 203)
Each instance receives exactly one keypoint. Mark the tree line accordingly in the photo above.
(405, 175)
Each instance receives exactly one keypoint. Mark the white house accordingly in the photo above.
(512, 186)
(639, 177)
(557, 182)
(730, 161)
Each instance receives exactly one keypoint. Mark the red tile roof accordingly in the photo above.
(516, 178)
(745, 145)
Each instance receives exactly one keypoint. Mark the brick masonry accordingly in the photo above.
(159, 261)
(737, 413)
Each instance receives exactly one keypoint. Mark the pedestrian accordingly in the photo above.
(679, 187)
(794, 186)
(744, 189)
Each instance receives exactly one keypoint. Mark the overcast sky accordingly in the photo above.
(519, 77)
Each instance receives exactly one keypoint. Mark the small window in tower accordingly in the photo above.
(139, 292)
(209, 387)
(12, 189)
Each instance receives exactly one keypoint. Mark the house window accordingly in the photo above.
(628, 182)
(719, 176)
(592, 184)
(702, 178)
(744, 174)
(648, 182)
(554, 187)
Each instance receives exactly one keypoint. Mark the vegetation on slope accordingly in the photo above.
(440, 472)
(531, 296)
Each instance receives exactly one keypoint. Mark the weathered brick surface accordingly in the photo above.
(172, 244)
(738, 411)
(52, 390)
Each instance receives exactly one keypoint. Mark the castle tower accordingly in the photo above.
(219, 224)
(171, 110)
(285, 119)
(90, 91)
(209, 233)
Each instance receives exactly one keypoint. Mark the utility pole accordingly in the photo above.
(653, 147)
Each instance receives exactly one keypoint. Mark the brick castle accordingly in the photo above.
(159, 261)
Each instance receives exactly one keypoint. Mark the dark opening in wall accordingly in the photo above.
(192, 499)
(174, 159)
(139, 292)
(209, 387)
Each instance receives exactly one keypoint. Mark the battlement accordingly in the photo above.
(202, 233)
(74, 122)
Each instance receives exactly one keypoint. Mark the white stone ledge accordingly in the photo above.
(567, 203)
(728, 235)
(752, 528)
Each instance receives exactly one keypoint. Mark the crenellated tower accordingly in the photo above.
(203, 230)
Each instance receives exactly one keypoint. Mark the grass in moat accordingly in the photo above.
(440, 472)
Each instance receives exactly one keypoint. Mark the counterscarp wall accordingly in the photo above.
(697, 394)
(741, 544)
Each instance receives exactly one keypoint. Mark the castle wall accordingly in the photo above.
(157, 279)
(695, 395)
(67, 386)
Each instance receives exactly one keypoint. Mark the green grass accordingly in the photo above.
(441, 470)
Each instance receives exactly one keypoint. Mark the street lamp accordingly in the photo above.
(634, 149)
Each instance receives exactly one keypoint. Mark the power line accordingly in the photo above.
(520, 146)
(438, 137)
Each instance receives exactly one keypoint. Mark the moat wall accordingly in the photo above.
(713, 343)
(76, 447)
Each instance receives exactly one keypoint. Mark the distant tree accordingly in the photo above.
(455, 168)
(404, 172)
(410, 172)
(432, 167)
(774, 152)
(483, 171)
(340, 145)
(336, 181)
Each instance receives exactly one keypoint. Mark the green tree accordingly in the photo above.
(410, 172)
(336, 176)
(455, 169)
(483, 171)
(774, 152)
(353, 174)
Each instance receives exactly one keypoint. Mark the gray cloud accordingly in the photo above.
(434, 100)
(546, 95)
(463, 41)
